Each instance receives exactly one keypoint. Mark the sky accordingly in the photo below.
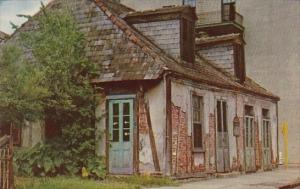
(10, 8)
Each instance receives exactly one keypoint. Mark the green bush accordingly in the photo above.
(65, 155)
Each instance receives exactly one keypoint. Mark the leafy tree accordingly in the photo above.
(21, 92)
(65, 97)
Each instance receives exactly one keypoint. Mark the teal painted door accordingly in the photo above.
(121, 136)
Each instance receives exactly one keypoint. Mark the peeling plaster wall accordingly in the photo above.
(157, 107)
(181, 99)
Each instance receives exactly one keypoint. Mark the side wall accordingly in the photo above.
(184, 160)
(273, 60)
(157, 106)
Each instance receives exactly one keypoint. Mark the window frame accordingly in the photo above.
(266, 142)
(251, 118)
(201, 122)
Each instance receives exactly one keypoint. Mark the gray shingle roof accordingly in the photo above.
(124, 54)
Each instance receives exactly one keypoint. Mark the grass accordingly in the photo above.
(132, 182)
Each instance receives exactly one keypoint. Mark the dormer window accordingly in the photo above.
(192, 3)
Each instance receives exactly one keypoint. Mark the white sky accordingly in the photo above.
(10, 8)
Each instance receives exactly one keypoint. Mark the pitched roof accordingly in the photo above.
(124, 54)
(160, 62)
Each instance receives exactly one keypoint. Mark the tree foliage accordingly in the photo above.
(21, 92)
(53, 83)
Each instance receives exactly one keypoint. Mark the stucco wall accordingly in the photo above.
(157, 107)
(272, 58)
(181, 98)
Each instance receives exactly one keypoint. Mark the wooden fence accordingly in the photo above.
(6, 163)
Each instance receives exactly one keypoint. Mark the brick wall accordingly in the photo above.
(222, 55)
(166, 34)
(181, 143)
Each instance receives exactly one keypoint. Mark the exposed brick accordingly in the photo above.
(181, 143)
(143, 125)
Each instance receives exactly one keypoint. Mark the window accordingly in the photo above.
(197, 121)
(222, 116)
(190, 2)
(249, 126)
(266, 129)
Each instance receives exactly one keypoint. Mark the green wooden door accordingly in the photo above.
(121, 136)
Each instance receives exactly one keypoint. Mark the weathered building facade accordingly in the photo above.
(267, 56)
(277, 57)
(173, 96)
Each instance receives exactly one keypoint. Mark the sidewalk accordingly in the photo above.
(263, 180)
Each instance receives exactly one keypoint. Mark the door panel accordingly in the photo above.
(249, 144)
(266, 143)
(121, 136)
(223, 161)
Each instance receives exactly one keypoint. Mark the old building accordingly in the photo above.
(173, 94)
(277, 57)
(268, 56)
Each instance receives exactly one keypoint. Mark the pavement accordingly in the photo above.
(261, 180)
